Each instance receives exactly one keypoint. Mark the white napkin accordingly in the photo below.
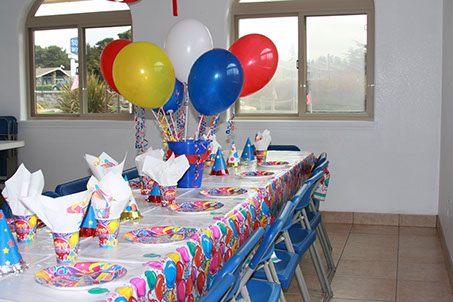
(166, 173)
(140, 159)
(62, 214)
(103, 164)
(263, 140)
(110, 195)
(22, 184)
(214, 145)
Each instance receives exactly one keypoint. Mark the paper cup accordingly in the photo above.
(261, 155)
(167, 195)
(107, 230)
(26, 228)
(66, 247)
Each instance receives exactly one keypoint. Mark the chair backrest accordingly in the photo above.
(320, 167)
(220, 289)
(131, 173)
(283, 148)
(321, 158)
(312, 184)
(51, 194)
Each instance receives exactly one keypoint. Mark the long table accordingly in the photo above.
(181, 271)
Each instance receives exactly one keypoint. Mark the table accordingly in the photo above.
(6, 145)
(191, 264)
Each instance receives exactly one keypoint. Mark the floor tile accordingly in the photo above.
(377, 240)
(418, 231)
(338, 228)
(374, 229)
(421, 291)
(417, 255)
(419, 242)
(364, 288)
(370, 252)
(423, 272)
(367, 269)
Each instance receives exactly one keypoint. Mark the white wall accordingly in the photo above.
(390, 165)
(446, 151)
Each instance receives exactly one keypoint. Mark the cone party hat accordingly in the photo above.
(131, 211)
(233, 159)
(10, 259)
(247, 153)
(219, 168)
(89, 225)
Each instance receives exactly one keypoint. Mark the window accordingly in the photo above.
(65, 39)
(326, 58)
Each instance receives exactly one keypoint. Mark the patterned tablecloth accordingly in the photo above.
(180, 271)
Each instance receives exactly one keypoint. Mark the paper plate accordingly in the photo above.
(223, 192)
(79, 275)
(160, 234)
(273, 164)
(195, 207)
(255, 174)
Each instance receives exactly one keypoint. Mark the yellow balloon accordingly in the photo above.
(144, 74)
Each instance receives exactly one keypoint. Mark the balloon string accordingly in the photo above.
(180, 119)
(199, 127)
(162, 130)
(140, 141)
(186, 107)
(165, 125)
(175, 8)
(214, 122)
(230, 127)
(171, 123)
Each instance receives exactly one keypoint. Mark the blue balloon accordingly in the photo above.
(207, 246)
(215, 81)
(170, 273)
(176, 99)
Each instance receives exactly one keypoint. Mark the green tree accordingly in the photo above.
(51, 56)
(127, 35)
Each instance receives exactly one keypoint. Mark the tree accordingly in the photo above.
(51, 56)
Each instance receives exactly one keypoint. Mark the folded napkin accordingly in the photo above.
(166, 173)
(140, 159)
(110, 195)
(22, 184)
(104, 164)
(263, 140)
(62, 214)
(214, 145)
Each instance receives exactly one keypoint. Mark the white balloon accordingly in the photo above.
(187, 40)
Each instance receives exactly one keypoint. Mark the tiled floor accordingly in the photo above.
(381, 263)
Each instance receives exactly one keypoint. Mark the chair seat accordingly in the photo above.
(260, 290)
(301, 239)
(314, 218)
(285, 267)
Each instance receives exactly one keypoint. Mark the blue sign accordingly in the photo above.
(75, 46)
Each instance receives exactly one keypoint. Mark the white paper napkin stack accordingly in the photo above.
(22, 184)
(110, 195)
(140, 159)
(104, 164)
(166, 173)
(263, 140)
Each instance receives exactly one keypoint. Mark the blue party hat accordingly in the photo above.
(247, 153)
(219, 168)
(89, 225)
(10, 259)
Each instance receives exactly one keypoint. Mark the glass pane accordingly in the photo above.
(60, 7)
(279, 96)
(336, 63)
(55, 70)
(102, 98)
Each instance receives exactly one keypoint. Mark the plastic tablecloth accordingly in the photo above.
(180, 271)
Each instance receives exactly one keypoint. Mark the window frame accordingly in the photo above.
(80, 21)
(303, 9)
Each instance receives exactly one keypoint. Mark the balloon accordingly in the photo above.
(187, 40)
(176, 99)
(144, 75)
(259, 59)
(108, 56)
(170, 273)
(159, 287)
(215, 81)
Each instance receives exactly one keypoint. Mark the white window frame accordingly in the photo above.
(81, 22)
(303, 9)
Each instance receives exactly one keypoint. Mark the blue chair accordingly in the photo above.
(255, 290)
(51, 194)
(283, 148)
(220, 289)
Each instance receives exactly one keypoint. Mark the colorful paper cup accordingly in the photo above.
(26, 228)
(261, 155)
(66, 247)
(167, 195)
(107, 231)
(146, 184)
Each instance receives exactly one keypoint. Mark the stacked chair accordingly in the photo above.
(8, 158)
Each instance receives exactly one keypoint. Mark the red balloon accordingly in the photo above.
(259, 59)
(159, 287)
(108, 57)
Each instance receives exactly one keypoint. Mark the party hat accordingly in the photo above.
(247, 153)
(89, 225)
(219, 168)
(131, 211)
(10, 258)
(233, 159)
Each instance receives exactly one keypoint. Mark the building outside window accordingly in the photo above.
(326, 58)
(65, 39)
